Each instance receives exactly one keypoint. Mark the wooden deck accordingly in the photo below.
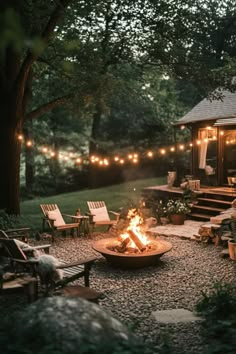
(211, 201)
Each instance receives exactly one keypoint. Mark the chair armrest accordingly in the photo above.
(78, 217)
(115, 213)
(91, 216)
(43, 247)
(80, 262)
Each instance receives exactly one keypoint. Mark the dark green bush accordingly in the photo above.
(219, 328)
(8, 221)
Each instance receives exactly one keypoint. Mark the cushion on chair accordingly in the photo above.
(56, 216)
(100, 214)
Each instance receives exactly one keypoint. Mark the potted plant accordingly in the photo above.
(177, 210)
(232, 242)
(161, 213)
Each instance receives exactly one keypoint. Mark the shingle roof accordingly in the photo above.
(212, 110)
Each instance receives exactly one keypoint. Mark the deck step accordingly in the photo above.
(204, 207)
(200, 216)
(209, 200)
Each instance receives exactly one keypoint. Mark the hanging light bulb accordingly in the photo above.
(29, 143)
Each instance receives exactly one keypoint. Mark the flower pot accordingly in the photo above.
(232, 249)
(177, 219)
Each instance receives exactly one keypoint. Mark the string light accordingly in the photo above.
(29, 143)
(133, 157)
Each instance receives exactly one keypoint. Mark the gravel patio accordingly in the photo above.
(132, 296)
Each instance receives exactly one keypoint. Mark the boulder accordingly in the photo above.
(60, 325)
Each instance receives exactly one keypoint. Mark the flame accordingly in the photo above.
(135, 225)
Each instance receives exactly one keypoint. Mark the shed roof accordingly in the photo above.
(212, 110)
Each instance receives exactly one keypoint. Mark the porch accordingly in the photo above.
(209, 201)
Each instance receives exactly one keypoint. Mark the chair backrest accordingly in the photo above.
(48, 207)
(99, 211)
(3, 234)
(12, 248)
(53, 212)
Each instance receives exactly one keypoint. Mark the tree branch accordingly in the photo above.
(56, 69)
(48, 106)
(31, 57)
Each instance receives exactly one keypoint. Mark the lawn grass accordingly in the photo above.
(116, 196)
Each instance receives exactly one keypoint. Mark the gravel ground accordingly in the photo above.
(132, 295)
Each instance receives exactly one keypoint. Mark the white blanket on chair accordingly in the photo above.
(47, 269)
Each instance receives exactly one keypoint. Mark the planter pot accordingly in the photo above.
(232, 249)
(177, 219)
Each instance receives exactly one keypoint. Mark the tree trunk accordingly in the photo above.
(93, 145)
(29, 161)
(10, 148)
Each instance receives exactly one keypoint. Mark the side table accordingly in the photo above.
(84, 225)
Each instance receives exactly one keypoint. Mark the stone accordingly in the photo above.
(175, 316)
(60, 325)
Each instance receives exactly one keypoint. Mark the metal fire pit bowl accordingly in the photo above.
(132, 260)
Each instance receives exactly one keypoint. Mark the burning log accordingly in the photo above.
(122, 247)
(139, 244)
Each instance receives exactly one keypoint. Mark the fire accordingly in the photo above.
(133, 238)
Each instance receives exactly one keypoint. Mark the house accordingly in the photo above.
(212, 124)
(213, 129)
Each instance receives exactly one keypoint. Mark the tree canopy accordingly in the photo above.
(73, 52)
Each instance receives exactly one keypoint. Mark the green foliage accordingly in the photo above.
(9, 221)
(11, 32)
(218, 309)
(201, 42)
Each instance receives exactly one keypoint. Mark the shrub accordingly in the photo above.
(219, 328)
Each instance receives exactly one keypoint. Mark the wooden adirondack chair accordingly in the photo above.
(54, 219)
(99, 215)
(20, 255)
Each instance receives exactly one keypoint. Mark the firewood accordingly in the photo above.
(139, 244)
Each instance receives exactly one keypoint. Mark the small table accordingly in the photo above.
(27, 283)
(83, 227)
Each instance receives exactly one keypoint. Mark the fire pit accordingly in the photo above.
(133, 248)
